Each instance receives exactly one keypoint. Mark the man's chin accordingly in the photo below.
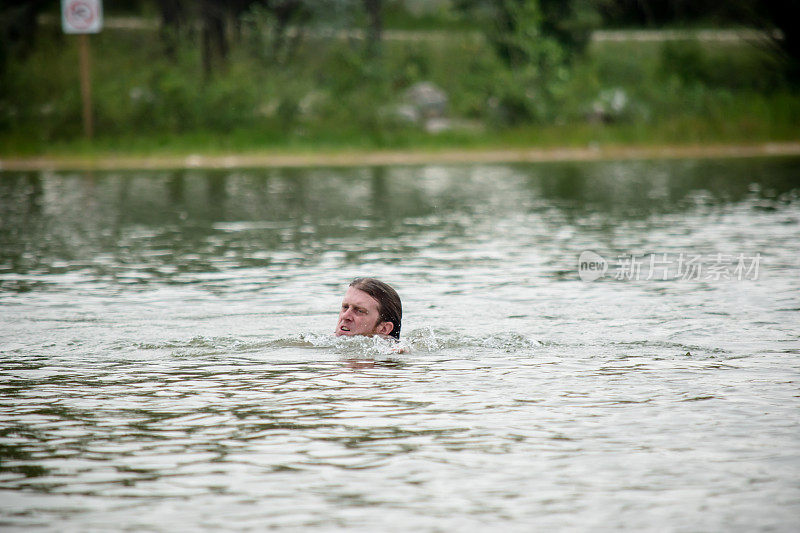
(342, 333)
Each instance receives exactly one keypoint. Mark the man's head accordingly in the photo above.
(370, 307)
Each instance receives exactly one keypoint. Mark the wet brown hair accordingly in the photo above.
(389, 307)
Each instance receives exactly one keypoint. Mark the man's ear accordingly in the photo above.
(384, 328)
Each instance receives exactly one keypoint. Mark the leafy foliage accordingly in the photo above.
(313, 80)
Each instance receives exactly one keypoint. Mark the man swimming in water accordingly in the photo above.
(370, 307)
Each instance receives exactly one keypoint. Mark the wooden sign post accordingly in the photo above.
(82, 17)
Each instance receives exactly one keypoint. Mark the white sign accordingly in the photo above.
(82, 16)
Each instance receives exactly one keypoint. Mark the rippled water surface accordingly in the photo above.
(167, 359)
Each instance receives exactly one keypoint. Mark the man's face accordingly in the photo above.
(359, 315)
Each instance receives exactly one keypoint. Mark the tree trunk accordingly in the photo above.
(374, 9)
(172, 18)
(215, 41)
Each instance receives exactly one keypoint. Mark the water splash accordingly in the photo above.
(431, 339)
(419, 341)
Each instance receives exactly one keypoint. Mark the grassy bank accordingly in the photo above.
(348, 158)
(680, 131)
(322, 95)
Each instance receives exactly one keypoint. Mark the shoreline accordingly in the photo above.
(411, 157)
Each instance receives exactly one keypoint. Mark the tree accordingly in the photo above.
(778, 18)
(214, 38)
(173, 21)
(536, 44)
(18, 28)
(284, 13)
(374, 10)
(512, 26)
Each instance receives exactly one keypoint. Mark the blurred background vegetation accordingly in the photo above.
(216, 76)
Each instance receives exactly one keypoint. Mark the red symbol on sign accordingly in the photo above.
(80, 15)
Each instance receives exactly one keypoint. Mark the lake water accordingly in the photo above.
(168, 361)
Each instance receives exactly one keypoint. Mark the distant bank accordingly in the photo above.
(397, 157)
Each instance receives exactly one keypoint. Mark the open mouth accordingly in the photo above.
(344, 328)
